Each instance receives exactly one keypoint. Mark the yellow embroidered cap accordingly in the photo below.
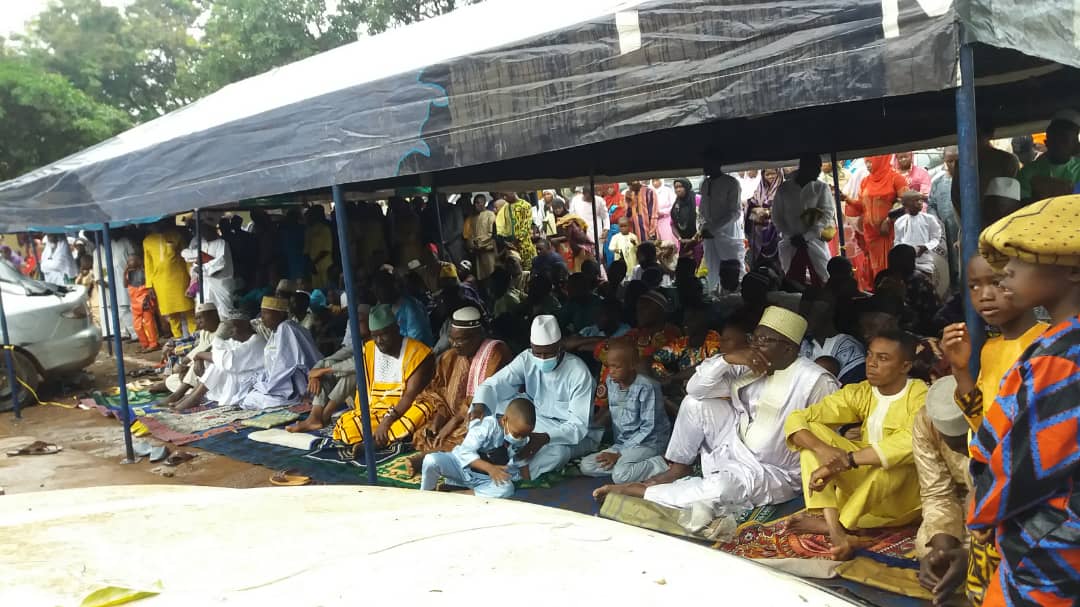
(1043, 233)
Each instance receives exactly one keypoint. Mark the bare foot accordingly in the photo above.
(607, 490)
(414, 464)
(845, 545)
(806, 523)
(310, 424)
(186, 404)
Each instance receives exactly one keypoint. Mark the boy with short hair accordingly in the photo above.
(624, 244)
(639, 423)
(483, 463)
(1024, 459)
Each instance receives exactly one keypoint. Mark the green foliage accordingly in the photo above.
(44, 118)
(381, 15)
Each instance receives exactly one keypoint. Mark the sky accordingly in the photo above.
(15, 13)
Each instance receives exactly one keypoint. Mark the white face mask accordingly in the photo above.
(516, 443)
(547, 365)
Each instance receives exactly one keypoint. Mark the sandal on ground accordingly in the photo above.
(178, 458)
(36, 448)
(288, 478)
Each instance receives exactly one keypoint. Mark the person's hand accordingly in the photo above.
(820, 478)
(536, 441)
(476, 411)
(749, 357)
(956, 344)
(885, 227)
(382, 433)
(314, 384)
(942, 571)
(499, 475)
(607, 459)
(833, 458)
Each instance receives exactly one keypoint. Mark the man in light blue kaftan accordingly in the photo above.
(560, 387)
(289, 355)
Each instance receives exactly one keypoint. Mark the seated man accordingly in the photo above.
(471, 359)
(939, 446)
(485, 462)
(289, 355)
(869, 483)
(823, 339)
(231, 364)
(733, 419)
(396, 369)
(185, 375)
(638, 421)
(560, 387)
(333, 380)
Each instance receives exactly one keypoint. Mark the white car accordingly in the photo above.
(349, 545)
(50, 327)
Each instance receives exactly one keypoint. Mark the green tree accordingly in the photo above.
(138, 60)
(44, 118)
(381, 15)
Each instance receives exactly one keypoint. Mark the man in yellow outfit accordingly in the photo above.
(397, 370)
(868, 483)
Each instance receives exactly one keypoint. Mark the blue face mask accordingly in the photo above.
(516, 443)
(546, 365)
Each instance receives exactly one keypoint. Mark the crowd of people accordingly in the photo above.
(703, 349)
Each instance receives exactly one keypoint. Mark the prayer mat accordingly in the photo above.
(271, 419)
(903, 580)
(655, 517)
(868, 595)
(772, 540)
(193, 423)
(235, 445)
(140, 403)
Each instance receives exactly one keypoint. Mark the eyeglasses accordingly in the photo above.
(765, 340)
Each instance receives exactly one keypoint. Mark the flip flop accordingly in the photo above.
(142, 448)
(158, 453)
(178, 458)
(36, 448)
(287, 478)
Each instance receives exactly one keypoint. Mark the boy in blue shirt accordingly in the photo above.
(484, 462)
(639, 423)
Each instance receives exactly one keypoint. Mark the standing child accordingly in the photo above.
(638, 420)
(484, 461)
(86, 279)
(1024, 459)
(624, 244)
(143, 305)
(919, 230)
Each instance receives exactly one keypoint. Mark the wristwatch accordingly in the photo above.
(851, 460)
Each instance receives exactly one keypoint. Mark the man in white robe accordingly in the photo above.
(288, 357)
(722, 219)
(217, 269)
(57, 261)
(733, 419)
(235, 363)
(185, 376)
(594, 213)
(802, 210)
(561, 389)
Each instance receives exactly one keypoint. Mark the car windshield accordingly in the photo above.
(10, 275)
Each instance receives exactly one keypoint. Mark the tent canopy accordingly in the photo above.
(510, 92)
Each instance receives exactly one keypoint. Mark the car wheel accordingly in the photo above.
(25, 371)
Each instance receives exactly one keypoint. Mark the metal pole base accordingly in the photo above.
(128, 460)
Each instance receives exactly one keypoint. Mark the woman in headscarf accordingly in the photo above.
(761, 234)
(570, 239)
(684, 221)
(878, 193)
(642, 209)
(616, 206)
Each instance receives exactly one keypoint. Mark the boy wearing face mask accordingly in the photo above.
(638, 421)
(484, 463)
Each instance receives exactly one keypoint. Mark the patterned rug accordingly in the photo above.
(772, 540)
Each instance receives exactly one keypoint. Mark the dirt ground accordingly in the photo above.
(93, 445)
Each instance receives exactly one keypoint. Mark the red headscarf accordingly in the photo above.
(881, 182)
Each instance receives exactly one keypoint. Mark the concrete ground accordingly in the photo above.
(93, 445)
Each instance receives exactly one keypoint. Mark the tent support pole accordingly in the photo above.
(595, 218)
(341, 218)
(9, 357)
(967, 138)
(198, 249)
(839, 201)
(101, 291)
(114, 314)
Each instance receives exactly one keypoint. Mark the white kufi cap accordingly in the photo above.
(545, 331)
(941, 407)
(1005, 187)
